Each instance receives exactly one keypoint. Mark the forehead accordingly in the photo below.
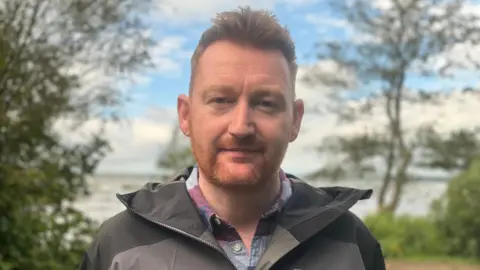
(232, 65)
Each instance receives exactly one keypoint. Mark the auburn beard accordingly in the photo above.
(226, 177)
(230, 176)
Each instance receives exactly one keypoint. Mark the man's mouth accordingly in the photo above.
(241, 150)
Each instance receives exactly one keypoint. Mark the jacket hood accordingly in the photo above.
(169, 204)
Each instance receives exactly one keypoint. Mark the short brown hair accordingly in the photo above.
(258, 28)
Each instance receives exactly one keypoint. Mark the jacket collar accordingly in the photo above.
(308, 211)
(312, 209)
(166, 204)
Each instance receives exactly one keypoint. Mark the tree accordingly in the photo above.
(176, 155)
(451, 152)
(394, 43)
(49, 51)
(456, 213)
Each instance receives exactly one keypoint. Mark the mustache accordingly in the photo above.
(250, 143)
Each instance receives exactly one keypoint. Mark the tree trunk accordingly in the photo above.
(394, 98)
(401, 180)
(390, 159)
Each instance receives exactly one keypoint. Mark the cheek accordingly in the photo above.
(202, 134)
(277, 132)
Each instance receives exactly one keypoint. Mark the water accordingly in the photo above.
(103, 203)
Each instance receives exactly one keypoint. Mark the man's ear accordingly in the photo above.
(183, 110)
(298, 112)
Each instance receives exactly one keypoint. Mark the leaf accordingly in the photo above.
(42, 171)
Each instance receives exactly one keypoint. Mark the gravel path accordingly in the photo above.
(401, 265)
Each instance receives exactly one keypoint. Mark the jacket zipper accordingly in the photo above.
(182, 233)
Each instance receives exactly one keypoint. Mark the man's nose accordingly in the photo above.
(242, 124)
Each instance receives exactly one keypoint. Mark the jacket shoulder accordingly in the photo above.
(106, 243)
(121, 232)
(349, 228)
(368, 245)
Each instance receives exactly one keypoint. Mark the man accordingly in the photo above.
(236, 209)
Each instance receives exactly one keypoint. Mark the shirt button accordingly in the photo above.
(237, 247)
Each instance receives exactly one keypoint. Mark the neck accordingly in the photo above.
(241, 207)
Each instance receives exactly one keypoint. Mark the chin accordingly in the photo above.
(238, 175)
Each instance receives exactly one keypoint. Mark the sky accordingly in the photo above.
(178, 25)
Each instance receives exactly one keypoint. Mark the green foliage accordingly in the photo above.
(452, 152)
(47, 50)
(358, 151)
(457, 213)
(452, 229)
(405, 236)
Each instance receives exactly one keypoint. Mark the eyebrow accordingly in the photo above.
(259, 92)
(208, 91)
(268, 91)
(262, 90)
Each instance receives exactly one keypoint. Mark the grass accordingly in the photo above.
(432, 263)
(441, 260)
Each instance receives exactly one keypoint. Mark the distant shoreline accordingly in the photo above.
(159, 177)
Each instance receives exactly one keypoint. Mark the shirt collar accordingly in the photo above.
(206, 211)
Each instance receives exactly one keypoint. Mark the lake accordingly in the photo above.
(103, 204)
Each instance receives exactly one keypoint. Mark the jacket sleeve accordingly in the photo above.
(370, 248)
(378, 262)
(92, 259)
(86, 263)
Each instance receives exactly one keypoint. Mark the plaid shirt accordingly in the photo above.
(227, 236)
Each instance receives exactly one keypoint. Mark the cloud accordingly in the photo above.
(178, 11)
(168, 54)
(455, 111)
(300, 3)
(135, 142)
(322, 23)
(185, 11)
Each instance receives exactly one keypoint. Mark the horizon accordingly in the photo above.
(418, 177)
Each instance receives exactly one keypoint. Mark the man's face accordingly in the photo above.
(241, 114)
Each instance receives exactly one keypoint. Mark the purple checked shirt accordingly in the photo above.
(227, 236)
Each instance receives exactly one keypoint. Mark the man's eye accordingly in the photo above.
(219, 100)
(267, 103)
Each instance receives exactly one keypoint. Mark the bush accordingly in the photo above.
(406, 236)
(457, 214)
(452, 228)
